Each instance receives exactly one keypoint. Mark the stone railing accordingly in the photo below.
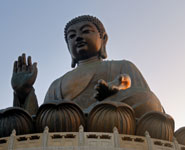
(85, 141)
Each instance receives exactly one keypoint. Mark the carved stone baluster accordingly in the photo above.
(11, 140)
(149, 141)
(176, 143)
(45, 138)
(116, 137)
(81, 135)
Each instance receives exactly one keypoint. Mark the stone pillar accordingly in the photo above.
(11, 140)
(81, 136)
(116, 137)
(149, 141)
(176, 143)
(45, 138)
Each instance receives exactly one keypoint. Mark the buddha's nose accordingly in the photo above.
(79, 38)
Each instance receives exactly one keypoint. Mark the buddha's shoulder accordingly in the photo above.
(59, 79)
(67, 76)
(120, 62)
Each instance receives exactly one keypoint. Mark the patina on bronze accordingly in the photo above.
(93, 81)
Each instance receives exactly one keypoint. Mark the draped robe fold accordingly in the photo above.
(78, 86)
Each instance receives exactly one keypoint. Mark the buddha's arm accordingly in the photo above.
(138, 96)
(23, 78)
(29, 102)
(106, 89)
(137, 78)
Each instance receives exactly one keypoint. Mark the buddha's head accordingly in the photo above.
(85, 37)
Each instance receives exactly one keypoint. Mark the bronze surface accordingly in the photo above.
(114, 91)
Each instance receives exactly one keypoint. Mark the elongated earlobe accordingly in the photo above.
(73, 63)
(103, 53)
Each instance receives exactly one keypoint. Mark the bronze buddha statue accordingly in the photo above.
(86, 39)
(93, 81)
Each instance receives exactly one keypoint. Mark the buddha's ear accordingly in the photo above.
(105, 38)
(103, 53)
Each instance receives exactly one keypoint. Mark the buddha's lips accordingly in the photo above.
(80, 44)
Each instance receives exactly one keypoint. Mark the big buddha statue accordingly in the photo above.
(92, 79)
(97, 93)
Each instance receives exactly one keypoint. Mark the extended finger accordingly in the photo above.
(101, 81)
(23, 62)
(97, 96)
(101, 86)
(34, 72)
(34, 67)
(29, 64)
(15, 67)
(19, 64)
(29, 61)
(121, 78)
(96, 87)
(114, 89)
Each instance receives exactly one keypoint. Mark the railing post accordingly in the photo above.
(149, 141)
(81, 135)
(176, 143)
(116, 137)
(45, 138)
(11, 140)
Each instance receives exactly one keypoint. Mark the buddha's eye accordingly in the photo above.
(71, 36)
(86, 31)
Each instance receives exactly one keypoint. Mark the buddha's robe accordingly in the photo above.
(78, 86)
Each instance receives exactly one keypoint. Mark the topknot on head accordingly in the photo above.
(89, 18)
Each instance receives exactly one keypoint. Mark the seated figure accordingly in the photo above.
(93, 80)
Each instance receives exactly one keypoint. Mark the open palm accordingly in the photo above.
(24, 74)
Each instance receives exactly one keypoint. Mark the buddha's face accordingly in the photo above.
(83, 40)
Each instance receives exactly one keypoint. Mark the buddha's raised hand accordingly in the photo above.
(105, 89)
(24, 75)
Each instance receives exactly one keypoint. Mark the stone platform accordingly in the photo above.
(85, 141)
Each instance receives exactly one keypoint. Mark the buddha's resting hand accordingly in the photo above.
(24, 75)
(105, 89)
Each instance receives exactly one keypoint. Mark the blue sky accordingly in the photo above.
(150, 33)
